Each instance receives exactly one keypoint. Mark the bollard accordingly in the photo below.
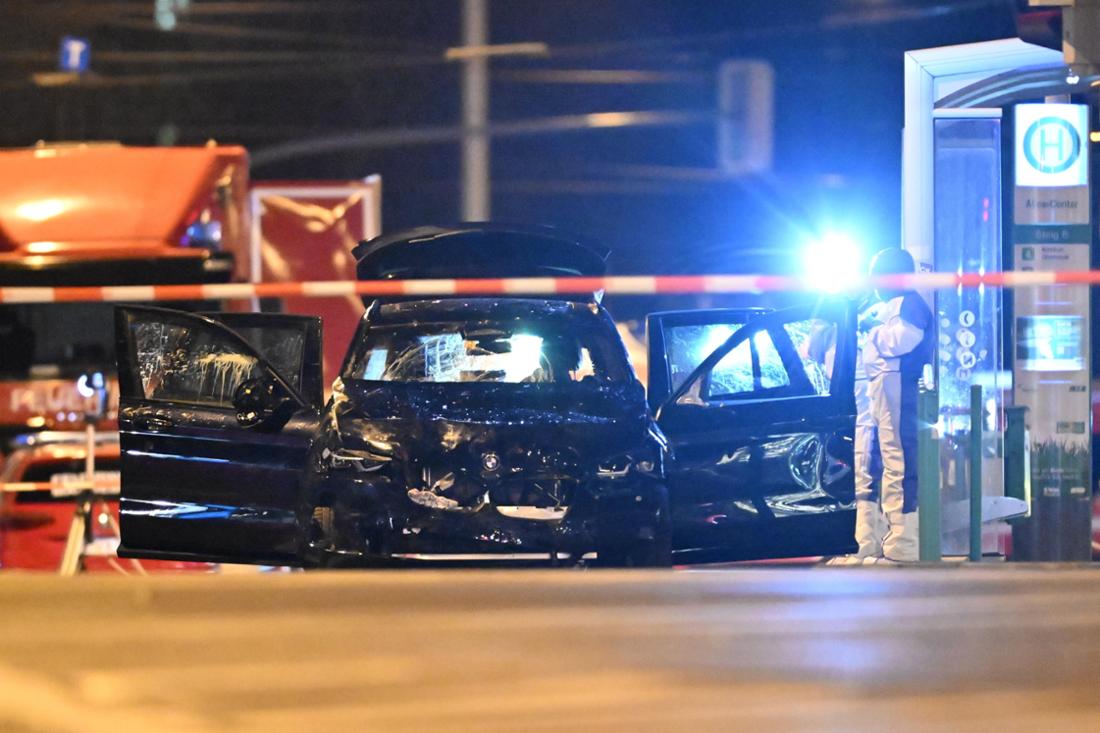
(928, 477)
(976, 473)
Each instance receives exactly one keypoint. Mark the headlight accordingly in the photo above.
(380, 447)
(622, 465)
(343, 459)
(616, 467)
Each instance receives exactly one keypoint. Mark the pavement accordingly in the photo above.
(963, 648)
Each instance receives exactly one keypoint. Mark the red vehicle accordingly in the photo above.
(35, 521)
(104, 214)
(107, 214)
(99, 214)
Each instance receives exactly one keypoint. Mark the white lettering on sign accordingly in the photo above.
(46, 399)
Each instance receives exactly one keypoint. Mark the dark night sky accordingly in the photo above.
(262, 73)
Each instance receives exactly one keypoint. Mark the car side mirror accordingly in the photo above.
(259, 401)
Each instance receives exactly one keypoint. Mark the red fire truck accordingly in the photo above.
(108, 214)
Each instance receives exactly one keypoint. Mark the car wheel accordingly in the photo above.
(320, 537)
(324, 519)
(334, 538)
(653, 552)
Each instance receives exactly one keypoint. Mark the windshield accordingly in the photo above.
(510, 353)
(56, 339)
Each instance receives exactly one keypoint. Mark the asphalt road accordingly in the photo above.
(783, 649)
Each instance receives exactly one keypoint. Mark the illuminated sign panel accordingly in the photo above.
(1052, 145)
(1050, 344)
(1052, 231)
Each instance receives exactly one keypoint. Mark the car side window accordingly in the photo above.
(787, 360)
(179, 362)
(687, 346)
(733, 374)
(754, 365)
(773, 374)
(281, 347)
(814, 341)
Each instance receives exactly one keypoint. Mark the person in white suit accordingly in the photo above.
(894, 354)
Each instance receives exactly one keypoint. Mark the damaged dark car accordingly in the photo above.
(486, 429)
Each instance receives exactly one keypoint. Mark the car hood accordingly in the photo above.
(479, 250)
(420, 421)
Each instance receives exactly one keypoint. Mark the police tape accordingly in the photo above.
(611, 285)
(99, 488)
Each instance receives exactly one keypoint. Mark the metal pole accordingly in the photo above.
(89, 453)
(475, 114)
(975, 473)
(80, 528)
(928, 478)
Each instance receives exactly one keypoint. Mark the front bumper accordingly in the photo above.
(389, 525)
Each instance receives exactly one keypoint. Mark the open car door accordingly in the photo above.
(762, 440)
(216, 416)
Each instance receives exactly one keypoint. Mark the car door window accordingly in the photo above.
(788, 360)
(687, 346)
(733, 375)
(181, 363)
(282, 347)
(752, 366)
(773, 374)
(814, 341)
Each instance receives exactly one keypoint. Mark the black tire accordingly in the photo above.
(646, 549)
(655, 552)
(320, 535)
(333, 536)
(324, 519)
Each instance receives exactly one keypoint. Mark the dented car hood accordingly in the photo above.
(422, 419)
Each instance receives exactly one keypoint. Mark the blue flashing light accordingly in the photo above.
(834, 262)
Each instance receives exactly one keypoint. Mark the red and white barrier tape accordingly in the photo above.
(106, 487)
(612, 285)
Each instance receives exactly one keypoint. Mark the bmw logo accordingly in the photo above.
(490, 461)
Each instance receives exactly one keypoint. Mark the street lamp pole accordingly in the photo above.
(475, 113)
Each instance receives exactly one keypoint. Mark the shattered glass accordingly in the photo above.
(772, 372)
(281, 347)
(757, 363)
(688, 346)
(184, 364)
(489, 354)
(734, 373)
(815, 343)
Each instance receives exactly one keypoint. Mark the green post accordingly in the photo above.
(928, 477)
(975, 473)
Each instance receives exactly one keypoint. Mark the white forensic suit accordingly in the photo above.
(870, 523)
(894, 354)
